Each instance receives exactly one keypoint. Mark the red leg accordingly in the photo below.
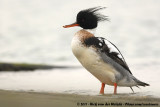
(102, 88)
(115, 88)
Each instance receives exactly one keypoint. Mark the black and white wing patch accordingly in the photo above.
(109, 49)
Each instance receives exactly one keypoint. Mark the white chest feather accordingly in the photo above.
(90, 59)
(86, 55)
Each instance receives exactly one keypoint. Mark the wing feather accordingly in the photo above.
(109, 49)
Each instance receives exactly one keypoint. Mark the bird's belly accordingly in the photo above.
(90, 60)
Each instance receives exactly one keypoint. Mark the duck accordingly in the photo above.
(98, 55)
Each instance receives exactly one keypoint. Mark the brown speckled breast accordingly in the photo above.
(83, 35)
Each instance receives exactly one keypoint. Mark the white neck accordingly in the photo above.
(92, 31)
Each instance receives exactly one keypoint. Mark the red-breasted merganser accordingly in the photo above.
(98, 55)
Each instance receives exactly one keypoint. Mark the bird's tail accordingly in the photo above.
(140, 83)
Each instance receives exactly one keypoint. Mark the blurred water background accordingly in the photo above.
(31, 31)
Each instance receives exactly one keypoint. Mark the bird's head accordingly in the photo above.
(88, 19)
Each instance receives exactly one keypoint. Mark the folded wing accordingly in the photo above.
(109, 49)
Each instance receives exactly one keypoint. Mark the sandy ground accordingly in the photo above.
(37, 99)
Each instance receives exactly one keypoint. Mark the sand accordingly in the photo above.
(41, 99)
